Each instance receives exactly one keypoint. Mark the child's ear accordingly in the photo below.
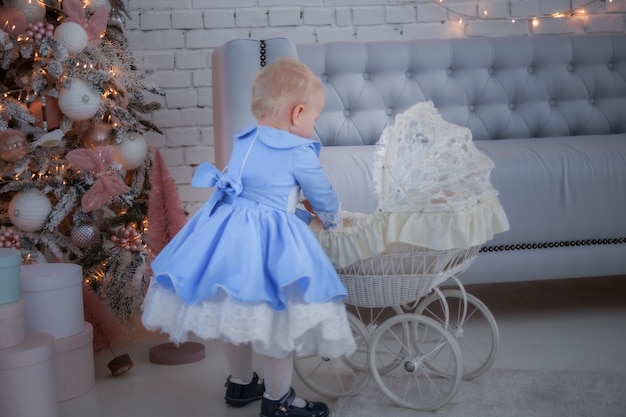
(295, 114)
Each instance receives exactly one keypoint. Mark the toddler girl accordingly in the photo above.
(245, 268)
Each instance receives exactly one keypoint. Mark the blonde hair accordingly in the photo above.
(283, 83)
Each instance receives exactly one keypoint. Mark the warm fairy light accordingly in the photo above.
(5, 27)
(95, 274)
(534, 21)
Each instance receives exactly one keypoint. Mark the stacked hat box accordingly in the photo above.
(28, 378)
(27, 372)
(46, 347)
(12, 323)
(12, 305)
(54, 305)
(54, 298)
(10, 260)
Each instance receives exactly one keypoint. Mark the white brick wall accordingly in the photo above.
(177, 38)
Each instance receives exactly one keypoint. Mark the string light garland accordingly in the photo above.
(534, 20)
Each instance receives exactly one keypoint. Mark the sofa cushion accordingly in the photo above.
(500, 88)
(349, 169)
(548, 185)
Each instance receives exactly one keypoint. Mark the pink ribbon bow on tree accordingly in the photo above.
(107, 185)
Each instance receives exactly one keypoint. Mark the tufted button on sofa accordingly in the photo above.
(550, 111)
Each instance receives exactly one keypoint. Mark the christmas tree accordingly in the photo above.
(74, 163)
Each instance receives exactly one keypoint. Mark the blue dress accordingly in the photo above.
(245, 268)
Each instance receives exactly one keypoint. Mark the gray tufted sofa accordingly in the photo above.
(549, 111)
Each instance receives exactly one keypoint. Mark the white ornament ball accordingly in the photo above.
(92, 5)
(79, 101)
(132, 153)
(29, 210)
(73, 36)
(34, 10)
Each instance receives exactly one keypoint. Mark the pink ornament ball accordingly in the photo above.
(99, 134)
(13, 145)
(12, 21)
(53, 113)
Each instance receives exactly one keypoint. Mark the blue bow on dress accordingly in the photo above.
(207, 176)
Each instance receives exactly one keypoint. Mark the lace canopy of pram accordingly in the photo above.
(433, 189)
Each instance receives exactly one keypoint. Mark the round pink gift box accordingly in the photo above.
(54, 298)
(27, 378)
(73, 361)
(12, 323)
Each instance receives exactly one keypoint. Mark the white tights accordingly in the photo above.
(239, 358)
(277, 373)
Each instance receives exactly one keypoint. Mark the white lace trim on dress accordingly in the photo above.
(303, 328)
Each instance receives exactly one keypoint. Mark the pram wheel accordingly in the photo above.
(338, 377)
(372, 318)
(430, 370)
(471, 323)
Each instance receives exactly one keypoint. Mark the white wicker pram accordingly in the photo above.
(436, 208)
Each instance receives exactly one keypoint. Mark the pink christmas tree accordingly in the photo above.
(165, 211)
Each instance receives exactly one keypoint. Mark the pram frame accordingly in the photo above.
(401, 278)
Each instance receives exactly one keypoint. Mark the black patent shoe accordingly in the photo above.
(284, 407)
(238, 395)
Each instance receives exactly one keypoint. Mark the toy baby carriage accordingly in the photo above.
(436, 208)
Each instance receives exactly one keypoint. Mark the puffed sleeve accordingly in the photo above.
(316, 187)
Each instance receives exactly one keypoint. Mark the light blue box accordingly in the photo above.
(10, 282)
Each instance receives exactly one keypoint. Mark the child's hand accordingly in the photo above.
(316, 225)
(307, 205)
